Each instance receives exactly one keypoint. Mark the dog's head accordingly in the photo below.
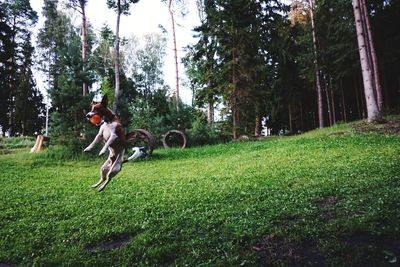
(100, 112)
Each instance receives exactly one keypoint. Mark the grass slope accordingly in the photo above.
(324, 198)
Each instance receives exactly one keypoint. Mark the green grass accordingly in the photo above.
(15, 144)
(328, 197)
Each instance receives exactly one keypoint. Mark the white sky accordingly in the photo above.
(144, 18)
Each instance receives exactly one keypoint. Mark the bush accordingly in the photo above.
(201, 133)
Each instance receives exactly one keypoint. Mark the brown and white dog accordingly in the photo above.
(112, 133)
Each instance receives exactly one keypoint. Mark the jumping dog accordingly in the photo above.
(112, 134)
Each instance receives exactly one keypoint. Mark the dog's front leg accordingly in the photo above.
(108, 143)
(97, 139)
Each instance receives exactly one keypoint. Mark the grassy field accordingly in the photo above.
(330, 197)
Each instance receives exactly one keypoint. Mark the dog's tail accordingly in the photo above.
(138, 152)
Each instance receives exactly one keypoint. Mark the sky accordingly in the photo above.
(145, 17)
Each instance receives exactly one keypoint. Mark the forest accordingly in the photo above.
(299, 64)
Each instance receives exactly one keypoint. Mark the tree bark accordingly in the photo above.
(210, 112)
(12, 81)
(332, 101)
(85, 89)
(328, 102)
(372, 107)
(175, 55)
(257, 128)
(302, 116)
(317, 76)
(372, 54)
(117, 61)
(343, 101)
(290, 119)
(359, 105)
(234, 97)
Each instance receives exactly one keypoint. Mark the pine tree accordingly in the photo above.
(61, 59)
(317, 68)
(17, 19)
(120, 7)
(80, 6)
(367, 73)
(6, 49)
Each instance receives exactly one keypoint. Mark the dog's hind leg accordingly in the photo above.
(115, 168)
(103, 172)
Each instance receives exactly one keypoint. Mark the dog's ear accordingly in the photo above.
(104, 101)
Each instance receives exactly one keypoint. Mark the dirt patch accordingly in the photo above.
(328, 202)
(328, 205)
(337, 133)
(373, 251)
(280, 251)
(391, 126)
(111, 243)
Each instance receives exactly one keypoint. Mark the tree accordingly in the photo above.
(171, 4)
(6, 49)
(103, 57)
(80, 6)
(200, 63)
(121, 7)
(29, 106)
(317, 70)
(148, 62)
(17, 17)
(367, 73)
(373, 60)
(171, 12)
(60, 45)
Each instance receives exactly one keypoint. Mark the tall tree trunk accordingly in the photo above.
(302, 117)
(332, 101)
(317, 76)
(328, 102)
(12, 79)
(343, 101)
(359, 105)
(290, 119)
(85, 89)
(372, 107)
(210, 111)
(372, 54)
(117, 61)
(234, 97)
(175, 55)
(257, 127)
(11, 119)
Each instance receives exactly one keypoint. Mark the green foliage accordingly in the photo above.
(121, 6)
(201, 133)
(106, 89)
(60, 51)
(21, 107)
(212, 205)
